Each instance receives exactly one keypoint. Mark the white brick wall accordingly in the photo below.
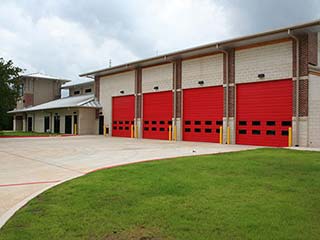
(111, 86)
(275, 61)
(314, 111)
(208, 69)
(161, 76)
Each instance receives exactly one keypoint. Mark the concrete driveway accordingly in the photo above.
(29, 166)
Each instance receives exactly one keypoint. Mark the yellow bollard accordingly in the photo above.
(75, 129)
(104, 130)
(136, 131)
(170, 133)
(290, 137)
(175, 133)
(221, 135)
(228, 135)
(132, 131)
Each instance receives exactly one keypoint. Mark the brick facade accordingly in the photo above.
(27, 99)
(303, 98)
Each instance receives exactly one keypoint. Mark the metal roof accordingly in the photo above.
(44, 76)
(66, 86)
(209, 48)
(87, 101)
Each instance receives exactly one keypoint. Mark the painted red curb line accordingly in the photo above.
(40, 136)
(27, 183)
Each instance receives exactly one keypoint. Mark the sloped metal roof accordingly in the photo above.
(44, 76)
(86, 101)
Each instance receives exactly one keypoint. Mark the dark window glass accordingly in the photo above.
(114, 122)
(218, 130)
(271, 123)
(146, 122)
(76, 92)
(154, 122)
(162, 129)
(242, 131)
(146, 129)
(114, 128)
(187, 129)
(256, 123)
(132, 122)
(243, 123)
(285, 133)
(121, 122)
(286, 123)
(88, 90)
(187, 122)
(208, 130)
(219, 123)
(169, 122)
(127, 122)
(271, 132)
(127, 128)
(197, 122)
(120, 128)
(162, 122)
(208, 122)
(256, 132)
(154, 129)
(197, 130)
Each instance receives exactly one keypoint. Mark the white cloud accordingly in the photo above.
(65, 39)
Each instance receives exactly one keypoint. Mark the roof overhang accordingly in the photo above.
(210, 48)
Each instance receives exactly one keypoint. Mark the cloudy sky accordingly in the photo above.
(67, 37)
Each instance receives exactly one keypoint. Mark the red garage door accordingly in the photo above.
(264, 113)
(122, 115)
(202, 114)
(157, 115)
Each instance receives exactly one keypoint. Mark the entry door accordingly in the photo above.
(29, 124)
(157, 115)
(46, 124)
(56, 124)
(101, 121)
(68, 124)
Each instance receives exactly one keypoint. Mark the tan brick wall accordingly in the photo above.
(314, 111)
(88, 124)
(111, 86)
(161, 76)
(275, 61)
(208, 69)
(318, 48)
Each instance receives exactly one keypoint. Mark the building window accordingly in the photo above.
(88, 90)
(76, 92)
(21, 90)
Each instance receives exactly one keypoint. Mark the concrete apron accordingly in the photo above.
(31, 166)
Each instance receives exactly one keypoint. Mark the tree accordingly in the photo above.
(9, 91)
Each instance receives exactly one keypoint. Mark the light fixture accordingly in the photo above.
(122, 92)
(201, 82)
(156, 88)
(261, 75)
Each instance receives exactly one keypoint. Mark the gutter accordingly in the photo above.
(297, 89)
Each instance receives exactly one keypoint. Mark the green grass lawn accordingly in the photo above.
(257, 194)
(21, 133)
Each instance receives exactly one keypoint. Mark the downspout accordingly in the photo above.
(297, 90)
(227, 83)
(174, 97)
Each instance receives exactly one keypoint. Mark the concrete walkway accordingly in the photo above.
(29, 166)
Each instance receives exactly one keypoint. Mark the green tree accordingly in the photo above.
(9, 91)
